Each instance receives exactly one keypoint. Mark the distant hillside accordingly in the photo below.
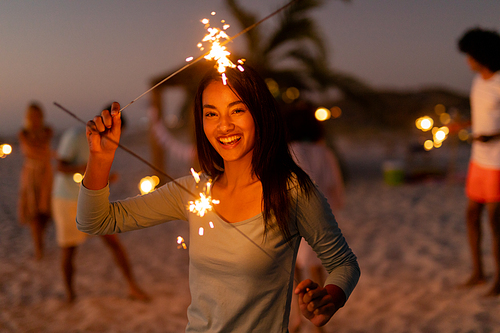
(391, 109)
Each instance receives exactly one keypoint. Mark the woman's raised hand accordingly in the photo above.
(103, 135)
(103, 132)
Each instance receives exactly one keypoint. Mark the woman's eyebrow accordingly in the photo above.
(210, 106)
(235, 103)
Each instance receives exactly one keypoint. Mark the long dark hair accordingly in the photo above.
(272, 162)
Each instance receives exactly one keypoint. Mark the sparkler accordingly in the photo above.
(129, 151)
(229, 39)
(204, 204)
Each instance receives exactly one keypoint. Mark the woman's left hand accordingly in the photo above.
(315, 303)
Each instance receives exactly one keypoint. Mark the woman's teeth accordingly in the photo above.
(230, 140)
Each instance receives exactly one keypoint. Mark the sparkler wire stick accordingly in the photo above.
(129, 151)
(203, 55)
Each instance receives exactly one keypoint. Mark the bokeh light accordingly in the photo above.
(463, 134)
(322, 114)
(439, 109)
(444, 118)
(77, 177)
(5, 149)
(335, 111)
(428, 144)
(424, 123)
(148, 184)
(292, 93)
(439, 135)
(273, 87)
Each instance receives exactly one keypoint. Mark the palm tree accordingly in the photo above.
(297, 42)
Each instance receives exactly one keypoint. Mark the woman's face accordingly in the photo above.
(227, 123)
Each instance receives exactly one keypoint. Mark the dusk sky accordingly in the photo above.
(85, 54)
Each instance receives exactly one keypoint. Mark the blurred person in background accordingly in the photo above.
(306, 137)
(72, 156)
(36, 175)
(482, 49)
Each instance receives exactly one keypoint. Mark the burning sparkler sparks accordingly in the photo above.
(202, 56)
(204, 204)
(218, 51)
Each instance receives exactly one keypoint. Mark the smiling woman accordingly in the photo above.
(267, 204)
(227, 123)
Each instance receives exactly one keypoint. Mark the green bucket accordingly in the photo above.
(393, 172)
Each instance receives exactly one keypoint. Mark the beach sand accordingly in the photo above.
(410, 241)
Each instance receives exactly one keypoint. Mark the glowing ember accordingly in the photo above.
(188, 59)
(181, 243)
(211, 224)
(196, 175)
(201, 231)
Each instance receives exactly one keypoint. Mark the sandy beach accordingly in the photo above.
(410, 241)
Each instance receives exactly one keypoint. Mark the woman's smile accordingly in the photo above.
(229, 141)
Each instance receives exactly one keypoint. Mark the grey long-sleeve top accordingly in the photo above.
(240, 281)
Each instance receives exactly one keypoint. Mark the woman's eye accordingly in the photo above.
(238, 111)
(209, 114)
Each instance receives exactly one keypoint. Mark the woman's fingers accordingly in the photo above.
(107, 120)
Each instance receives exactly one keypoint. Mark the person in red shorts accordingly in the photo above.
(482, 48)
